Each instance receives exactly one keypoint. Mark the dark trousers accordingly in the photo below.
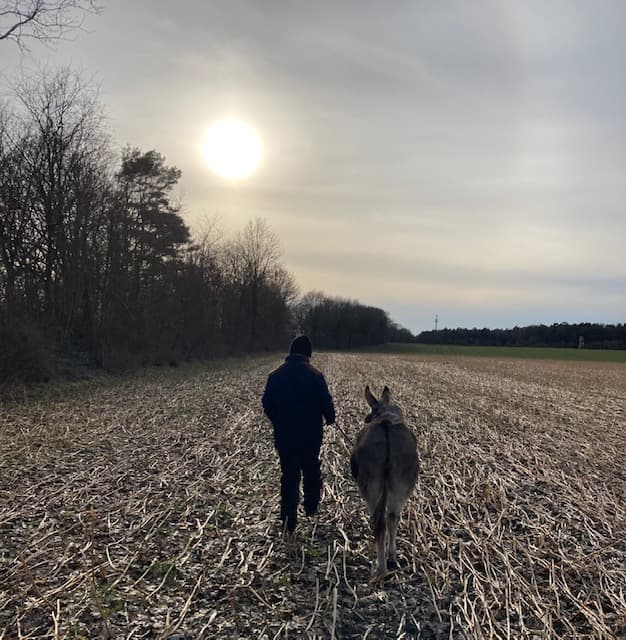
(292, 465)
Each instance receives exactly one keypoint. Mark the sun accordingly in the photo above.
(232, 149)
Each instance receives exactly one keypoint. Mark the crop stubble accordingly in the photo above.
(147, 508)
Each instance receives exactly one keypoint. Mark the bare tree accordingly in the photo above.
(207, 239)
(62, 161)
(96, 263)
(258, 249)
(15, 193)
(43, 20)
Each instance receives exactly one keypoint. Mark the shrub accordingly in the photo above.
(24, 356)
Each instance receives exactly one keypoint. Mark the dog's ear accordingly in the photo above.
(386, 397)
(371, 400)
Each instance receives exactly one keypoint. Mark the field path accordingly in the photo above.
(146, 507)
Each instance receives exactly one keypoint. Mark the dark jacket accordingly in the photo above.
(296, 399)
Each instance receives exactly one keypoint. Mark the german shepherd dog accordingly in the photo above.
(384, 463)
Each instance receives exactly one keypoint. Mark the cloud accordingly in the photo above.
(460, 157)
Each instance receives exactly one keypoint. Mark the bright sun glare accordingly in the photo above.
(232, 149)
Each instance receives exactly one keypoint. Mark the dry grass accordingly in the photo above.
(147, 509)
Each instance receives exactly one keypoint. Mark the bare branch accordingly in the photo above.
(43, 20)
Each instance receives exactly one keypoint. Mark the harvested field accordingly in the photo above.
(146, 508)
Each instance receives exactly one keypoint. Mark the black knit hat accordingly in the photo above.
(301, 345)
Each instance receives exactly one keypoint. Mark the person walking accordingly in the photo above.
(297, 402)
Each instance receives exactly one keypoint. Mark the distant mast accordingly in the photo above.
(436, 321)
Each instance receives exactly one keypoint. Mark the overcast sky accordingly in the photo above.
(465, 159)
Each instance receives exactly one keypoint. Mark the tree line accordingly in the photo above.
(339, 323)
(562, 334)
(97, 264)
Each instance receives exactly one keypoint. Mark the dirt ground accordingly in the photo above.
(147, 507)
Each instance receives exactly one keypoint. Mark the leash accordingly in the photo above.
(345, 435)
